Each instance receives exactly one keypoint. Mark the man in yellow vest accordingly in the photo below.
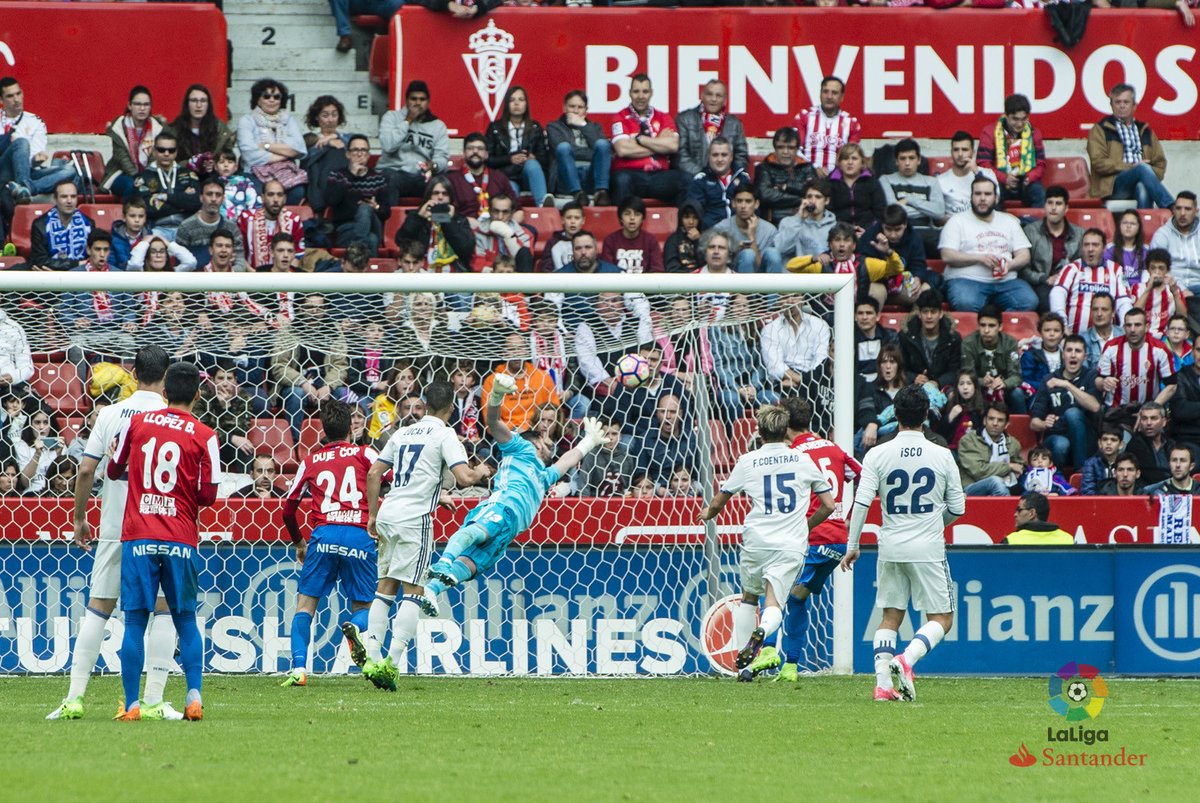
(1032, 528)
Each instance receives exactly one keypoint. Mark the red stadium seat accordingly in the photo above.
(545, 221)
(380, 61)
(8, 262)
(302, 212)
(22, 223)
(723, 458)
(744, 430)
(394, 222)
(103, 215)
(939, 164)
(893, 320)
(1018, 427)
(661, 223)
(755, 160)
(272, 436)
(1076, 481)
(601, 221)
(70, 427)
(310, 437)
(58, 384)
(1152, 219)
(1070, 173)
(964, 322)
(95, 166)
(1094, 218)
(370, 22)
(1020, 324)
(381, 265)
(936, 265)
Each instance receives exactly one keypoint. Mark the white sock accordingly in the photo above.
(928, 637)
(885, 650)
(160, 654)
(771, 619)
(404, 627)
(87, 650)
(377, 625)
(744, 616)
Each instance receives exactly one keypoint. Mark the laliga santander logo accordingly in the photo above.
(716, 634)
(1077, 692)
(492, 66)
(1022, 758)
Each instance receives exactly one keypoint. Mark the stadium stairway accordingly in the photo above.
(293, 42)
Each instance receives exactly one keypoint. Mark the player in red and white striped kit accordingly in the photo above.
(825, 128)
(335, 476)
(827, 542)
(1134, 366)
(174, 465)
(1079, 281)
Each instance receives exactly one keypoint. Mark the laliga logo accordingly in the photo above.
(1077, 692)
(1173, 610)
(716, 634)
(492, 67)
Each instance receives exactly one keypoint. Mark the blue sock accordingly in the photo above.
(301, 637)
(434, 587)
(795, 625)
(133, 654)
(461, 571)
(359, 619)
(191, 648)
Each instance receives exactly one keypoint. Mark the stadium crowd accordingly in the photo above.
(1103, 383)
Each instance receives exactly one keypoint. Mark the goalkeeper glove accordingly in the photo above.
(502, 385)
(593, 435)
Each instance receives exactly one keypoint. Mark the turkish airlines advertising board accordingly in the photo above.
(918, 71)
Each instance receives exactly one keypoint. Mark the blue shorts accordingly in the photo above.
(339, 553)
(152, 568)
(822, 559)
(499, 524)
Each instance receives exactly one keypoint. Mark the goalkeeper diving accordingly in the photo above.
(520, 485)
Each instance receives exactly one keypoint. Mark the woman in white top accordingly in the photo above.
(270, 139)
(37, 449)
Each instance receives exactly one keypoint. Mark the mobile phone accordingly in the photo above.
(49, 442)
(440, 213)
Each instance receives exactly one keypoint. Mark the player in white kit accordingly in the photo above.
(780, 482)
(149, 369)
(403, 525)
(920, 493)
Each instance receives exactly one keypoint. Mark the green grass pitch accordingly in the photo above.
(691, 739)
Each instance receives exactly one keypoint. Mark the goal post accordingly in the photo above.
(610, 582)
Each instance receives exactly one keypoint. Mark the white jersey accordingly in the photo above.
(917, 481)
(111, 425)
(417, 454)
(779, 480)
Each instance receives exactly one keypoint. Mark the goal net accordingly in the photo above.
(615, 576)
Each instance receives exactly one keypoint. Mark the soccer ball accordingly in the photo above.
(1077, 691)
(632, 370)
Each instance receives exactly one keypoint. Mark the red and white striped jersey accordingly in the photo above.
(1160, 306)
(821, 137)
(1081, 283)
(1139, 371)
(838, 468)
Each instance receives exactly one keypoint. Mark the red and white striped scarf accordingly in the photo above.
(102, 306)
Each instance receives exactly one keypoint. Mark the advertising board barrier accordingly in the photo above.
(76, 76)
(924, 71)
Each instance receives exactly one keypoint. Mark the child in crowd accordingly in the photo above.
(680, 483)
(963, 411)
(466, 419)
(559, 251)
(607, 471)
(1179, 342)
(127, 232)
(1128, 249)
(240, 193)
(642, 487)
(1042, 476)
(1158, 293)
(1043, 358)
(682, 252)
(1101, 466)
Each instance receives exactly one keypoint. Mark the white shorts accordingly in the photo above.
(106, 570)
(774, 566)
(926, 583)
(404, 552)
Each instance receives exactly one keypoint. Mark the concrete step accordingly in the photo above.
(237, 8)
(326, 61)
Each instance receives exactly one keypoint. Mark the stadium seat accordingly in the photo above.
(1020, 324)
(22, 223)
(964, 322)
(545, 221)
(272, 436)
(95, 166)
(661, 223)
(381, 265)
(310, 438)
(1018, 427)
(755, 160)
(1076, 481)
(104, 215)
(601, 221)
(58, 385)
(394, 222)
(8, 262)
(936, 265)
(302, 212)
(1152, 219)
(939, 164)
(1071, 173)
(723, 457)
(380, 61)
(893, 320)
(743, 433)
(370, 22)
(70, 427)
(1093, 218)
